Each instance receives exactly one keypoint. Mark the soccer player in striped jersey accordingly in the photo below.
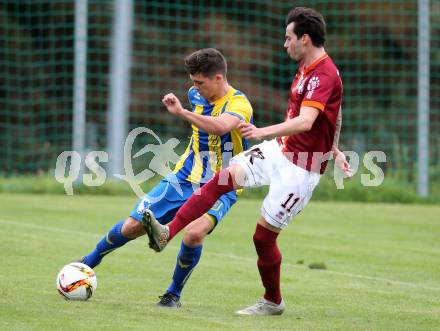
(216, 111)
(290, 160)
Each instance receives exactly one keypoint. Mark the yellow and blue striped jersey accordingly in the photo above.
(207, 153)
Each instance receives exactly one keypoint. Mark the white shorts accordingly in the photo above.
(290, 187)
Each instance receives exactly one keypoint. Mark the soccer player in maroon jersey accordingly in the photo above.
(291, 159)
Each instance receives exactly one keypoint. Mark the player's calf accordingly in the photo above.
(113, 240)
(196, 231)
(132, 228)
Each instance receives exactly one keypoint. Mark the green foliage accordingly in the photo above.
(393, 189)
(373, 43)
(45, 183)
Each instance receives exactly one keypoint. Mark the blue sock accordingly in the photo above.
(186, 261)
(109, 243)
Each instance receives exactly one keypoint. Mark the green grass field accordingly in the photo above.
(383, 269)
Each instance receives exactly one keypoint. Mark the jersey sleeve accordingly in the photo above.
(239, 106)
(191, 92)
(319, 89)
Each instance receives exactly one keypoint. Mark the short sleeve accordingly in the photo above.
(240, 107)
(191, 92)
(319, 89)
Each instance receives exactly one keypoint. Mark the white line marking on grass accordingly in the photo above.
(339, 273)
(229, 255)
(48, 228)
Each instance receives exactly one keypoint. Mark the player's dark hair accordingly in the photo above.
(308, 21)
(206, 61)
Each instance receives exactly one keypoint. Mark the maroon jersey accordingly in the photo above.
(318, 86)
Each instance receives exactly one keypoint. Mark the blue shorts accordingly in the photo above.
(165, 199)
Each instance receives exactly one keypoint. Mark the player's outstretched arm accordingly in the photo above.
(213, 125)
(302, 123)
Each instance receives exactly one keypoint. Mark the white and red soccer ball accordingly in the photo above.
(76, 281)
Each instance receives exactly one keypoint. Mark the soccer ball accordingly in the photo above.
(76, 281)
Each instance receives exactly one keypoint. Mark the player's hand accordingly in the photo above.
(250, 131)
(173, 104)
(342, 163)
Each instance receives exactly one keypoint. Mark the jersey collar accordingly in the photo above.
(314, 64)
(226, 96)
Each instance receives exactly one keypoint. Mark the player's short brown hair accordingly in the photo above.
(308, 21)
(206, 61)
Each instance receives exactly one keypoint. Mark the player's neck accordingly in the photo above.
(313, 55)
(221, 93)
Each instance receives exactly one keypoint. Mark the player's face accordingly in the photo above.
(294, 46)
(207, 87)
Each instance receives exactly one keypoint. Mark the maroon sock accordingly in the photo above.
(269, 262)
(201, 201)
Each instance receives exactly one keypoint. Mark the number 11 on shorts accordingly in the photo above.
(288, 204)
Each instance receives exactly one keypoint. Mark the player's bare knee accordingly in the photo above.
(193, 236)
(132, 228)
